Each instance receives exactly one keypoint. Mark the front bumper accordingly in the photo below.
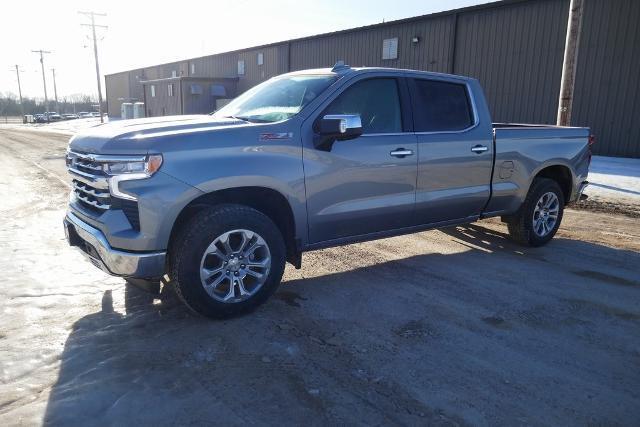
(93, 244)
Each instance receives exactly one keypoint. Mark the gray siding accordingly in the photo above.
(363, 47)
(514, 48)
(203, 103)
(163, 104)
(607, 93)
(122, 87)
(255, 73)
(516, 52)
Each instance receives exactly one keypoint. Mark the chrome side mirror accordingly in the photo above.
(337, 127)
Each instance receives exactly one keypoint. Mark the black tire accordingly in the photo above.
(520, 225)
(151, 286)
(191, 243)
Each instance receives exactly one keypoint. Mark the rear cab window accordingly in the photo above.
(440, 106)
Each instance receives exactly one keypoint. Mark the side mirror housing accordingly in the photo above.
(337, 127)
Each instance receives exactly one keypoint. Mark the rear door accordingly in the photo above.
(367, 184)
(455, 150)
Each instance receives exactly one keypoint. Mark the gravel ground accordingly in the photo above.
(451, 327)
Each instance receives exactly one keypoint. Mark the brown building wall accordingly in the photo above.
(514, 48)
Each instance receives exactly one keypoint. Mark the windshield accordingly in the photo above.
(276, 99)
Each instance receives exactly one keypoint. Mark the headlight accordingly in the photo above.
(123, 170)
(147, 167)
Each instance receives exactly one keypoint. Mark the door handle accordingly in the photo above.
(401, 152)
(479, 149)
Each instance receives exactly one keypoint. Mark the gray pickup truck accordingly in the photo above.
(307, 160)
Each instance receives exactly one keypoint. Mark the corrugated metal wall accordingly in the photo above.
(607, 91)
(162, 104)
(255, 73)
(203, 103)
(363, 47)
(515, 48)
(122, 86)
(516, 51)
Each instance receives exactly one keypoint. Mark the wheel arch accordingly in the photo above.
(561, 174)
(268, 201)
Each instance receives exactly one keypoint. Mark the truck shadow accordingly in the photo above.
(376, 344)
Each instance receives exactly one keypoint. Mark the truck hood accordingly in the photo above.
(136, 136)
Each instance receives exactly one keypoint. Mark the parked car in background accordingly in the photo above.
(84, 115)
(69, 116)
(53, 116)
(95, 114)
(304, 161)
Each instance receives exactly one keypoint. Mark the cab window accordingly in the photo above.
(440, 106)
(376, 100)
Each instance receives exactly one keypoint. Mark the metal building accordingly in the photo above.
(514, 47)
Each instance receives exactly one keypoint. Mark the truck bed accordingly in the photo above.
(521, 150)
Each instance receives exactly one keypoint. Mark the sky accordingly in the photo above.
(143, 33)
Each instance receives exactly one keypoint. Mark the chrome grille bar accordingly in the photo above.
(88, 190)
(93, 203)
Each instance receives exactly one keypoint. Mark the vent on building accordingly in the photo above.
(390, 48)
(170, 89)
(196, 89)
(193, 68)
(241, 68)
(174, 73)
(153, 91)
(260, 58)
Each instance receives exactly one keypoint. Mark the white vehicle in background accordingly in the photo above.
(84, 115)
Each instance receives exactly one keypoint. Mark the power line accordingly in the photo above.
(44, 80)
(93, 26)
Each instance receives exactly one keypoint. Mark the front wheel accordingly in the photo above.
(227, 260)
(540, 215)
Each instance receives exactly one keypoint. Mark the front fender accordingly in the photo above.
(277, 167)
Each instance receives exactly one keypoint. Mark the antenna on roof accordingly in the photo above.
(339, 66)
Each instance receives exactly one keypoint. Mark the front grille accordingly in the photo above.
(92, 198)
(91, 188)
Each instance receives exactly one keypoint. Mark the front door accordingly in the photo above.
(367, 184)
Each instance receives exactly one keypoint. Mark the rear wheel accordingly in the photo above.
(540, 215)
(227, 260)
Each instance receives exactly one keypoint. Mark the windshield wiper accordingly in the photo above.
(244, 119)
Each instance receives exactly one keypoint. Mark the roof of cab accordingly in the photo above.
(342, 70)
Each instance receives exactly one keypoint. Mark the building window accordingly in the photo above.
(170, 89)
(153, 91)
(174, 73)
(196, 89)
(193, 68)
(241, 68)
(390, 48)
(260, 58)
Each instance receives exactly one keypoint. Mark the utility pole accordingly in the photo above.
(569, 65)
(55, 90)
(44, 80)
(19, 89)
(93, 26)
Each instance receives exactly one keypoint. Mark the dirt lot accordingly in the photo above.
(457, 326)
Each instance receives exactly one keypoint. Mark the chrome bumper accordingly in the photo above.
(92, 243)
